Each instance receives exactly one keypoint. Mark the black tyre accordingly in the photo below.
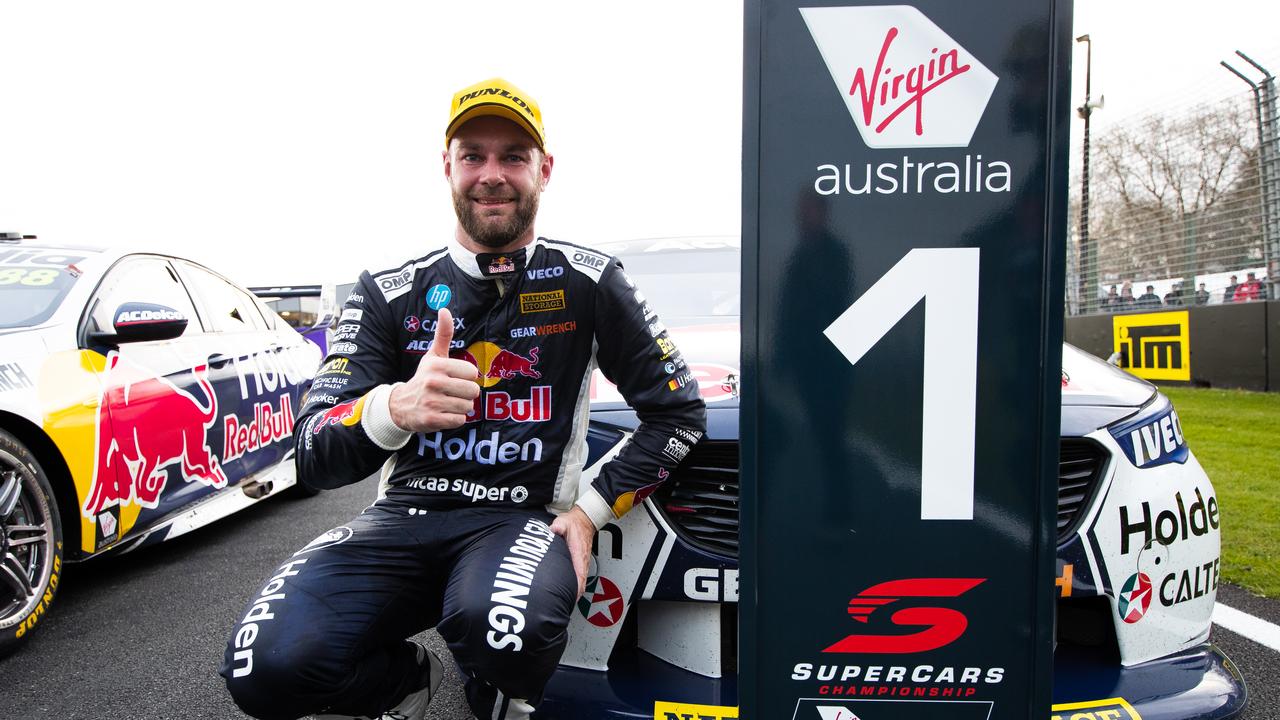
(30, 544)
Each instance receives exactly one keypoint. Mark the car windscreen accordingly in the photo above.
(30, 295)
(688, 284)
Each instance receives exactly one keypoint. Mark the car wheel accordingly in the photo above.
(30, 543)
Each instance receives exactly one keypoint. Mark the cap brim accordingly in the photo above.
(496, 110)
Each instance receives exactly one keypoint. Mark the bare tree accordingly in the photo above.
(1176, 195)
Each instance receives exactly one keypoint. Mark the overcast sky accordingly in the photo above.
(289, 141)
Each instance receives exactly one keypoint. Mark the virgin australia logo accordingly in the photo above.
(906, 83)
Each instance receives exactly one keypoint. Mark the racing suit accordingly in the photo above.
(461, 541)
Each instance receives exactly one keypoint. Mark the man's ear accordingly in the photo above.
(547, 163)
(448, 164)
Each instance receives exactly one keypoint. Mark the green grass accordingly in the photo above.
(1236, 436)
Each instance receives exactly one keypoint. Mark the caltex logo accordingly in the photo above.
(1134, 598)
(905, 82)
(602, 602)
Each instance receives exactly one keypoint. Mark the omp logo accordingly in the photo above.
(1109, 709)
(941, 626)
(905, 82)
(688, 711)
(1154, 346)
(395, 281)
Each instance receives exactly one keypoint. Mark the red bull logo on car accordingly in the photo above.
(145, 424)
(268, 426)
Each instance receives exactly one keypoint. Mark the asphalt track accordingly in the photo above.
(141, 636)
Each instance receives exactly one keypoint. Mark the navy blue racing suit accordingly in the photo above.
(461, 540)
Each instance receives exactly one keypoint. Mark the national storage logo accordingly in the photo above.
(1154, 346)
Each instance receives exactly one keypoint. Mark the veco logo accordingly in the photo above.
(940, 626)
(906, 83)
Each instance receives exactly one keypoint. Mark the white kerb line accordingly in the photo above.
(1247, 626)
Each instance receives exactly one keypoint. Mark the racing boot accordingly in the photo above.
(516, 709)
(414, 705)
(489, 704)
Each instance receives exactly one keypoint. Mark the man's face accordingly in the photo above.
(496, 174)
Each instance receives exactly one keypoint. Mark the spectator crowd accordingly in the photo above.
(1120, 298)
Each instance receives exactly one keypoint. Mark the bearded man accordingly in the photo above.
(464, 376)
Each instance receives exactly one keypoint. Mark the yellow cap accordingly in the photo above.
(495, 97)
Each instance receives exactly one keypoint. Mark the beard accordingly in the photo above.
(488, 233)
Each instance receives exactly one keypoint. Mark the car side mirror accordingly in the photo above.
(140, 322)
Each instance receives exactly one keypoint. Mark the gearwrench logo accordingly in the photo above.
(906, 83)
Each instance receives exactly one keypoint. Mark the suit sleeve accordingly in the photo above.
(635, 352)
(342, 435)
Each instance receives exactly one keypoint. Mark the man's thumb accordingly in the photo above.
(444, 334)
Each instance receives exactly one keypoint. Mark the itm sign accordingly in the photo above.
(902, 164)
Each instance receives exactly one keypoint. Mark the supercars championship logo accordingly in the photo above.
(941, 626)
(1154, 346)
(934, 622)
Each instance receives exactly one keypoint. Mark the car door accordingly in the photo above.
(260, 369)
(155, 448)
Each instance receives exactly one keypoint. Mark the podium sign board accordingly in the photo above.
(904, 229)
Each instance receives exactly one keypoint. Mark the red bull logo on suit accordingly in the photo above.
(496, 364)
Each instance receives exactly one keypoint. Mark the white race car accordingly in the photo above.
(141, 396)
(1138, 531)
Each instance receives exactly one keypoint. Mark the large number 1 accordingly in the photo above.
(947, 280)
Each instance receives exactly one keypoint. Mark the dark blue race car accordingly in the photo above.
(1137, 555)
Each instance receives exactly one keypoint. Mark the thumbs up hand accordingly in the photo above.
(441, 392)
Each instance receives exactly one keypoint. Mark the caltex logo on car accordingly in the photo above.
(1134, 598)
(601, 604)
(906, 83)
